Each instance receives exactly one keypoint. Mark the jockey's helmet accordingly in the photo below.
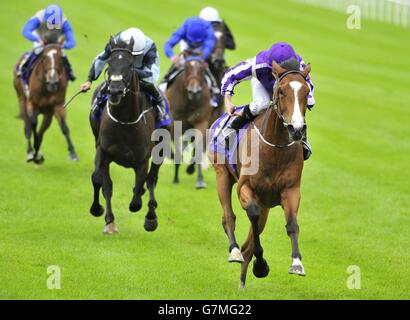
(139, 42)
(53, 15)
(210, 14)
(196, 31)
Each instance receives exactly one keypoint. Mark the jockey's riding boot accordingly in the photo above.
(307, 149)
(243, 119)
(99, 101)
(213, 86)
(69, 69)
(153, 91)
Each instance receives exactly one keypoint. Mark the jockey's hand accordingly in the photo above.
(175, 60)
(85, 86)
(228, 103)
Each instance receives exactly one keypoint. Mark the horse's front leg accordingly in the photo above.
(258, 220)
(33, 116)
(290, 200)
(97, 180)
(61, 117)
(138, 191)
(224, 184)
(110, 227)
(151, 221)
(28, 130)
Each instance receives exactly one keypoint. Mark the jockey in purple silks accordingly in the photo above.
(259, 70)
(50, 19)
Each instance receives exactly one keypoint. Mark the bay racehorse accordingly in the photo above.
(278, 177)
(123, 136)
(46, 95)
(190, 108)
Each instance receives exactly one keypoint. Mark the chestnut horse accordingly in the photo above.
(47, 91)
(189, 99)
(123, 136)
(277, 180)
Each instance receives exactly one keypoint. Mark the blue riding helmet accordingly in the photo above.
(196, 31)
(53, 15)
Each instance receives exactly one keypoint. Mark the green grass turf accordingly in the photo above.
(355, 188)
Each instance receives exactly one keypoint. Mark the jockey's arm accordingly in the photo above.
(311, 99)
(28, 31)
(70, 42)
(233, 76)
(176, 37)
(96, 68)
(150, 67)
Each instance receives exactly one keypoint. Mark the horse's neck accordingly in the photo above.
(273, 129)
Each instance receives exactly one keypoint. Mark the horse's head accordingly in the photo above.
(53, 66)
(290, 96)
(194, 76)
(120, 69)
(218, 54)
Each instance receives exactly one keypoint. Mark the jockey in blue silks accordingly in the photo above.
(259, 70)
(197, 37)
(50, 19)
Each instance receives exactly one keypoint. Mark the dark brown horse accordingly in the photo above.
(47, 90)
(218, 66)
(189, 99)
(279, 155)
(123, 136)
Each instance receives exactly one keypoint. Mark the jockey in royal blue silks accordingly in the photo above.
(50, 19)
(199, 40)
(259, 70)
(146, 65)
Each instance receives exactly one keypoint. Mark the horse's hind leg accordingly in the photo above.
(199, 149)
(176, 174)
(224, 184)
(248, 247)
(61, 116)
(97, 209)
(290, 203)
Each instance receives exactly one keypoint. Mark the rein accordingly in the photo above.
(275, 105)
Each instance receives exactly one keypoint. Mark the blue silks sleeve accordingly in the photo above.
(69, 36)
(176, 37)
(31, 26)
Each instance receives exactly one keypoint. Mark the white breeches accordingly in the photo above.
(261, 98)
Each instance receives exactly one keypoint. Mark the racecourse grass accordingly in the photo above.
(355, 188)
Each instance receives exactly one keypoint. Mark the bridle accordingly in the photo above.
(194, 76)
(120, 78)
(127, 84)
(276, 107)
(43, 58)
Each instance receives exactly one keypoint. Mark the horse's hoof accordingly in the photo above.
(297, 268)
(39, 159)
(241, 285)
(97, 210)
(235, 256)
(110, 229)
(260, 268)
(73, 157)
(30, 156)
(135, 206)
(150, 224)
(200, 185)
(190, 169)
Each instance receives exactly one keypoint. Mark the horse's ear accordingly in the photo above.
(306, 71)
(131, 45)
(112, 42)
(277, 70)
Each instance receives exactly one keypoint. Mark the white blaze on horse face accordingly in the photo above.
(51, 54)
(218, 34)
(297, 118)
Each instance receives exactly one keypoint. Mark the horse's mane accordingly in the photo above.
(291, 65)
(51, 37)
